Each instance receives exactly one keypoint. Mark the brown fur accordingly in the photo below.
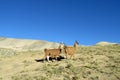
(53, 53)
(70, 50)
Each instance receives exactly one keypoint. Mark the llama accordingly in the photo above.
(70, 50)
(53, 53)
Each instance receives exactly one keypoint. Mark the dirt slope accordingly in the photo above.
(25, 45)
(89, 63)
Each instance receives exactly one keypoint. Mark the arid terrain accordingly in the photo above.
(98, 62)
(13, 44)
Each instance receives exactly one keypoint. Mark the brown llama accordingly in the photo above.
(70, 50)
(53, 53)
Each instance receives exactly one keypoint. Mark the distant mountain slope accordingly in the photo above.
(25, 45)
(103, 43)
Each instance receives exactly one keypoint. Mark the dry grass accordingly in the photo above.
(89, 63)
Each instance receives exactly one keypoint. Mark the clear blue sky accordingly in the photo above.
(87, 21)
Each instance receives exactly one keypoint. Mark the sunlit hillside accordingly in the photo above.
(90, 63)
(10, 46)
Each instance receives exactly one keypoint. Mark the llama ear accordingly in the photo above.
(76, 42)
(62, 43)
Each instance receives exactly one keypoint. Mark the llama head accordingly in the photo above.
(61, 45)
(76, 44)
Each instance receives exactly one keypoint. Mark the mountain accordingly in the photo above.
(103, 43)
(25, 44)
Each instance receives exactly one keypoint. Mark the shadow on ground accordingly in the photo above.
(51, 59)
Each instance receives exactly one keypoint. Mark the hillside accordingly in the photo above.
(103, 43)
(89, 63)
(25, 45)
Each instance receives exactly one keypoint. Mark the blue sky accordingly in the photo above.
(87, 21)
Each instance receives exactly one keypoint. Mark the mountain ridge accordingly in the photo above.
(25, 44)
(16, 44)
(105, 43)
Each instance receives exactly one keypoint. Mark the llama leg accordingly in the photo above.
(44, 58)
(71, 56)
(48, 58)
(56, 57)
(74, 56)
(66, 56)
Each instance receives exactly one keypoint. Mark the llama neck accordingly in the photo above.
(59, 47)
(75, 46)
